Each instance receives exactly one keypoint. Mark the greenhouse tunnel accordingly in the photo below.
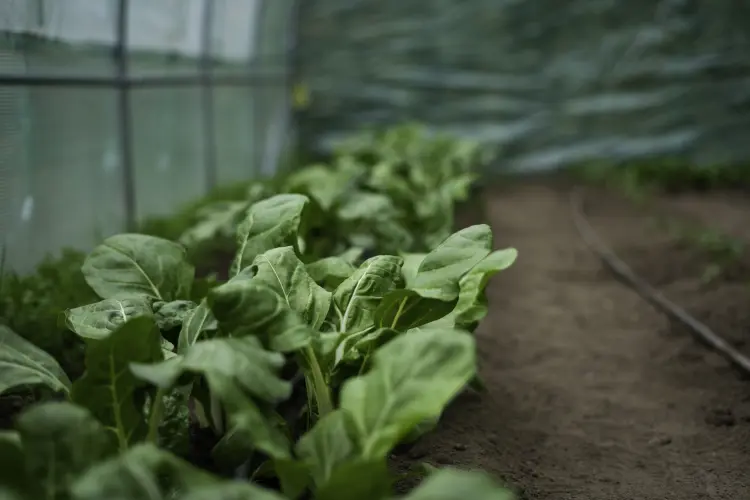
(206, 105)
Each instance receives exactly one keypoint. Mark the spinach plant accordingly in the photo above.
(380, 346)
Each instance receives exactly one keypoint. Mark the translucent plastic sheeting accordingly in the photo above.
(550, 81)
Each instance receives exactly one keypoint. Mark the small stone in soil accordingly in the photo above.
(444, 460)
(459, 447)
(660, 441)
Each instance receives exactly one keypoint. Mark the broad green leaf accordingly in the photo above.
(232, 490)
(234, 368)
(171, 315)
(249, 429)
(15, 482)
(352, 255)
(60, 442)
(360, 479)
(320, 182)
(452, 484)
(141, 265)
(404, 309)
(412, 379)
(440, 271)
(434, 290)
(218, 219)
(330, 271)
(365, 206)
(247, 307)
(357, 298)
(329, 444)
(24, 364)
(143, 472)
(409, 269)
(356, 346)
(98, 320)
(472, 303)
(231, 366)
(271, 223)
(281, 270)
(198, 321)
(108, 389)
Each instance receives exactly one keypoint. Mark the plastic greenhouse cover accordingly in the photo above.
(550, 81)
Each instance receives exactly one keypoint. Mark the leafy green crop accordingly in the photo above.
(381, 348)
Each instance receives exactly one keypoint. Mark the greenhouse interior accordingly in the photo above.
(379, 249)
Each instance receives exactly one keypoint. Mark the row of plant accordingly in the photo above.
(343, 327)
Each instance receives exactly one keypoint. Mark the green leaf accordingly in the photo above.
(23, 364)
(60, 442)
(108, 388)
(15, 483)
(226, 364)
(434, 289)
(218, 219)
(357, 298)
(246, 307)
(249, 429)
(360, 479)
(451, 484)
(98, 320)
(141, 265)
(198, 321)
(472, 303)
(330, 271)
(281, 270)
(356, 346)
(409, 269)
(235, 369)
(412, 379)
(232, 490)
(439, 273)
(271, 223)
(320, 182)
(327, 445)
(143, 472)
(170, 315)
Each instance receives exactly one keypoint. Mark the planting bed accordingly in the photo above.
(593, 394)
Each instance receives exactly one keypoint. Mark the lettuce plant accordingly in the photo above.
(382, 348)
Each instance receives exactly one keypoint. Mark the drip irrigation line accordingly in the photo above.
(649, 293)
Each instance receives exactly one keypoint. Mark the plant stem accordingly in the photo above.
(323, 398)
(155, 416)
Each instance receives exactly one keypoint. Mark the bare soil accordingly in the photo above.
(593, 394)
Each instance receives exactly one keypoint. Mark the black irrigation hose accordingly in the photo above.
(647, 292)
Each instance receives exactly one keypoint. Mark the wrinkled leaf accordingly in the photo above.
(327, 445)
(170, 315)
(141, 265)
(107, 388)
(216, 220)
(24, 364)
(195, 324)
(226, 364)
(247, 307)
(412, 379)
(271, 223)
(98, 320)
(357, 298)
(283, 272)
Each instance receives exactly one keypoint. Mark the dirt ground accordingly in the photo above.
(593, 394)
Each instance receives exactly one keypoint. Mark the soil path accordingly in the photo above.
(593, 395)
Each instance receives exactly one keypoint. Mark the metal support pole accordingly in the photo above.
(207, 95)
(125, 113)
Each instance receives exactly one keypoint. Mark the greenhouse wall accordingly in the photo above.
(551, 82)
(203, 110)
